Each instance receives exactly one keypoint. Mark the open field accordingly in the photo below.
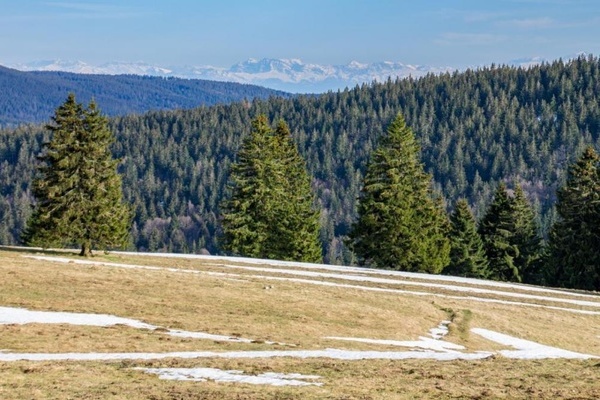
(271, 318)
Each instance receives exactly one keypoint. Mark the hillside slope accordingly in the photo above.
(31, 97)
(475, 128)
(266, 329)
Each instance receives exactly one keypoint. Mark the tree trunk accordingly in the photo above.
(86, 250)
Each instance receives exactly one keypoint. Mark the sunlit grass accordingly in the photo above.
(300, 315)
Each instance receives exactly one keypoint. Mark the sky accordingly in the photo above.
(442, 33)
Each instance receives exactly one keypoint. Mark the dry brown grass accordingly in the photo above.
(496, 378)
(298, 314)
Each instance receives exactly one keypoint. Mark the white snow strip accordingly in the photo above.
(327, 353)
(10, 315)
(232, 376)
(357, 278)
(527, 349)
(463, 289)
(367, 271)
(323, 283)
(433, 343)
(423, 343)
(21, 316)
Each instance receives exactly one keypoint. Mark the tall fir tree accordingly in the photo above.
(295, 228)
(245, 214)
(78, 190)
(511, 237)
(526, 238)
(399, 225)
(574, 240)
(497, 230)
(467, 254)
(271, 213)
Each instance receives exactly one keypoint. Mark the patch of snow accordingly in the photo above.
(370, 271)
(440, 331)
(335, 354)
(424, 348)
(218, 375)
(527, 349)
(284, 74)
(331, 284)
(360, 278)
(423, 343)
(21, 316)
(433, 343)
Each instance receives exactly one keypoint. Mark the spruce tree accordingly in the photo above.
(399, 225)
(270, 213)
(295, 228)
(497, 230)
(78, 191)
(526, 238)
(467, 254)
(573, 256)
(245, 212)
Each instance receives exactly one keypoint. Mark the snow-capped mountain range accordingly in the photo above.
(291, 75)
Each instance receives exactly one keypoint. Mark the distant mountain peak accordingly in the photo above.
(288, 74)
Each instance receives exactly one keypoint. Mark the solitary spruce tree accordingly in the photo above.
(467, 255)
(77, 190)
(399, 224)
(574, 240)
(270, 213)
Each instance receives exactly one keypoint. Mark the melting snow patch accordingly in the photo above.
(204, 374)
(358, 278)
(527, 349)
(334, 354)
(423, 343)
(11, 315)
(440, 331)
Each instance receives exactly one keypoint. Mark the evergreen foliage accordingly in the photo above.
(526, 238)
(270, 212)
(497, 231)
(476, 128)
(574, 259)
(78, 190)
(399, 225)
(511, 237)
(467, 254)
(33, 95)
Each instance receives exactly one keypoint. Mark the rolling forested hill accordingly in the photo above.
(27, 97)
(476, 128)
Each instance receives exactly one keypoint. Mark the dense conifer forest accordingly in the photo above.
(33, 96)
(475, 128)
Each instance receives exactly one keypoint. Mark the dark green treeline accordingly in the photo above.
(475, 129)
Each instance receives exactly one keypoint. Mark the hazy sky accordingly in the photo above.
(220, 33)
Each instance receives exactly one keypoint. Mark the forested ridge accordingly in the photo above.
(32, 96)
(476, 128)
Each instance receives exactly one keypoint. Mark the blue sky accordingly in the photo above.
(195, 32)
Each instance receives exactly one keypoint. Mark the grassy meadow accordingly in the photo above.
(298, 308)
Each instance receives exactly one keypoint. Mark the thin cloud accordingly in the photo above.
(87, 10)
(469, 39)
(482, 16)
(531, 23)
(470, 16)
